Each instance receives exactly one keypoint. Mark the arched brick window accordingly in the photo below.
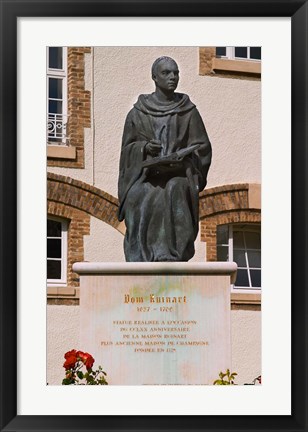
(230, 209)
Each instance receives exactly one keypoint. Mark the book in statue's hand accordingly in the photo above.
(172, 158)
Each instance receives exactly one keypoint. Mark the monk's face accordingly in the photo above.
(167, 75)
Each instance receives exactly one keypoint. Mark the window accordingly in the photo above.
(242, 244)
(56, 251)
(56, 95)
(239, 53)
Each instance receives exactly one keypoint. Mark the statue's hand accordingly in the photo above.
(153, 148)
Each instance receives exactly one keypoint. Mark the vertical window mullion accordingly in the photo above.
(64, 82)
(64, 251)
(230, 52)
(246, 258)
(62, 257)
(230, 243)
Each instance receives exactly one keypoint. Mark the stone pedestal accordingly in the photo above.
(157, 323)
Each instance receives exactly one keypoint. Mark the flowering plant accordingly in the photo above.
(228, 379)
(74, 362)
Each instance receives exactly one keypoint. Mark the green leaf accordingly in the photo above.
(90, 378)
(229, 378)
(80, 374)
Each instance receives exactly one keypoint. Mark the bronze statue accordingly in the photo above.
(165, 158)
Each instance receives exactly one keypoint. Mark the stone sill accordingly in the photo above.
(238, 66)
(157, 268)
(210, 268)
(62, 292)
(245, 298)
(61, 152)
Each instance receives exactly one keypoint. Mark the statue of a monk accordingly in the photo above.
(165, 158)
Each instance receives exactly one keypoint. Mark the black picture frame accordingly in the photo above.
(10, 11)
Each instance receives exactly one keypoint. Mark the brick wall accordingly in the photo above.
(206, 54)
(76, 201)
(227, 204)
(239, 69)
(220, 205)
(223, 198)
(82, 196)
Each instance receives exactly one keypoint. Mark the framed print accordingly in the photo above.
(95, 59)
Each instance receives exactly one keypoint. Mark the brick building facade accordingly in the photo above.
(82, 171)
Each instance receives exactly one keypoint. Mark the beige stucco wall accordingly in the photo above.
(63, 335)
(106, 244)
(230, 109)
(246, 344)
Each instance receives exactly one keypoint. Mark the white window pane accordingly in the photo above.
(56, 58)
(255, 53)
(222, 253)
(242, 278)
(53, 228)
(254, 259)
(56, 251)
(53, 269)
(54, 248)
(57, 95)
(221, 51)
(55, 88)
(55, 107)
(253, 240)
(241, 52)
(222, 235)
(255, 278)
(242, 244)
(239, 257)
(238, 239)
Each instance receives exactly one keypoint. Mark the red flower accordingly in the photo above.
(70, 362)
(70, 354)
(86, 358)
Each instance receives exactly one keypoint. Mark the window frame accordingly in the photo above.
(252, 227)
(230, 55)
(58, 74)
(64, 252)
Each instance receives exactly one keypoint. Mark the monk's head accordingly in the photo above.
(165, 74)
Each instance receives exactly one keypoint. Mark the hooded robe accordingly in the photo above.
(160, 205)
